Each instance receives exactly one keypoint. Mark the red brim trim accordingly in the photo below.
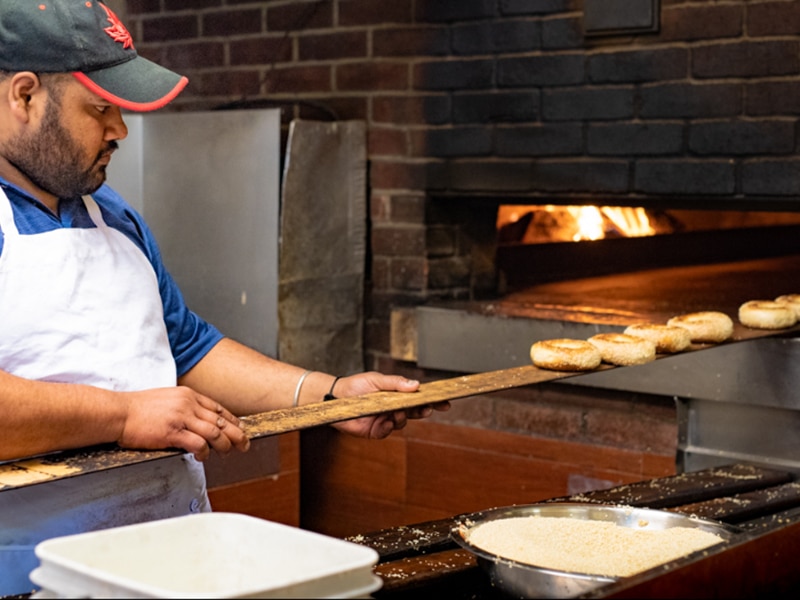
(128, 104)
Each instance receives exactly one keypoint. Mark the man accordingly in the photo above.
(96, 343)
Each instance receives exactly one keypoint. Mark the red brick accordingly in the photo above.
(398, 241)
(225, 83)
(332, 46)
(411, 41)
(167, 29)
(231, 22)
(298, 80)
(372, 76)
(260, 51)
(411, 109)
(300, 16)
(773, 18)
(370, 12)
(386, 142)
(195, 55)
(408, 273)
(138, 7)
(686, 23)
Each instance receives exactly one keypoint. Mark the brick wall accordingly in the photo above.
(481, 98)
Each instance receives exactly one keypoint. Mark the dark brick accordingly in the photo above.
(773, 18)
(394, 175)
(549, 70)
(138, 7)
(408, 273)
(585, 104)
(299, 16)
(454, 75)
(709, 177)
(477, 176)
(167, 29)
(170, 5)
(621, 139)
(562, 33)
(296, 80)
(371, 76)
(463, 10)
(408, 209)
(580, 176)
(746, 59)
(639, 65)
(385, 141)
(195, 55)
(428, 109)
(684, 100)
(225, 83)
(539, 140)
(497, 36)
(452, 142)
(444, 273)
(538, 7)
(411, 41)
(742, 137)
(231, 22)
(500, 107)
(771, 177)
(440, 241)
(772, 98)
(369, 12)
(332, 46)
(405, 240)
(261, 50)
(690, 22)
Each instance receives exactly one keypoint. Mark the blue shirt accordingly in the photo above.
(190, 337)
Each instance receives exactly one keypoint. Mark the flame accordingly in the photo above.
(632, 222)
(577, 223)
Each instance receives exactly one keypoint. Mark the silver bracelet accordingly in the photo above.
(299, 386)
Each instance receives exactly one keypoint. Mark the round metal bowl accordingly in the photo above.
(529, 581)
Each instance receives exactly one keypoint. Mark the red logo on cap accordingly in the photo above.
(117, 31)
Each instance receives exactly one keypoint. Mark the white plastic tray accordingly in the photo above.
(223, 555)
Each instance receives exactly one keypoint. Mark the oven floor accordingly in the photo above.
(475, 336)
(653, 295)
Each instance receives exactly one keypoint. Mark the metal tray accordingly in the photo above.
(529, 581)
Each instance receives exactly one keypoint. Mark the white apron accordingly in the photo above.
(83, 306)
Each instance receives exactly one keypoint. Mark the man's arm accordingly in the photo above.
(248, 382)
(41, 417)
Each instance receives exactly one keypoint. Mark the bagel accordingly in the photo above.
(565, 355)
(623, 349)
(767, 314)
(792, 300)
(667, 338)
(705, 326)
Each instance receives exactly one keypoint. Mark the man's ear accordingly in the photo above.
(22, 88)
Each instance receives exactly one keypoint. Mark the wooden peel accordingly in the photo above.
(342, 409)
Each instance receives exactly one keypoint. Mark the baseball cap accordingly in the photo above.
(85, 38)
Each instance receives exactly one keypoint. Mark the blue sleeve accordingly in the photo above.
(190, 337)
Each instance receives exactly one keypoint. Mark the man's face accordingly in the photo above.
(67, 154)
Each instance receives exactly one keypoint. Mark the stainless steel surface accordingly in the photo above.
(324, 235)
(735, 402)
(528, 581)
(207, 183)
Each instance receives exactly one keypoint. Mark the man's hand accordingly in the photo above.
(180, 418)
(382, 425)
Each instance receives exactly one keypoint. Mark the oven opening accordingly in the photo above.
(544, 243)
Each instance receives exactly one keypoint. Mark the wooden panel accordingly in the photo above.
(429, 471)
(275, 497)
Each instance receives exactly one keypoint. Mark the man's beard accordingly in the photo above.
(51, 159)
